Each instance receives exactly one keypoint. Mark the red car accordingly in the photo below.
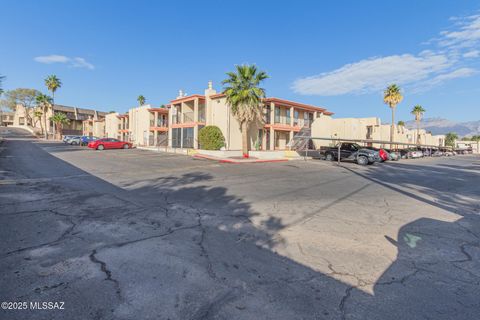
(109, 143)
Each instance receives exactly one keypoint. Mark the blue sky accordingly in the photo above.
(335, 54)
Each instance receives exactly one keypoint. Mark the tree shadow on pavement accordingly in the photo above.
(175, 248)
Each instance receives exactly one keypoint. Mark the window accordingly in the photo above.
(187, 138)
(21, 121)
(277, 115)
(176, 137)
(287, 115)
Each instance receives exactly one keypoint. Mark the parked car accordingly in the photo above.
(109, 143)
(403, 153)
(353, 152)
(448, 153)
(67, 138)
(414, 153)
(76, 140)
(87, 139)
(393, 155)
(383, 153)
(437, 153)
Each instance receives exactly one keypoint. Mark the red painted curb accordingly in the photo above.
(201, 156)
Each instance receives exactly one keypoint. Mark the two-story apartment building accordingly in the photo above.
(370, 129)
(144, 126)
(6, 118)
(25, 117)
(281, 121)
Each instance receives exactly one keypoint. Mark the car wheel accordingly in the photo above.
(329, 157)
(126, 146)
(362, 160)
(100, 147)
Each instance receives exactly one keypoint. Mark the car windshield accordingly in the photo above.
(355, 146)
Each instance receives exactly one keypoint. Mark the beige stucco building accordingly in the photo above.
(281, 120)
(6, 118)
(474, 146)
(94, 128)
(143, 126)
(369, 129)
(178, 124)
(25, 117)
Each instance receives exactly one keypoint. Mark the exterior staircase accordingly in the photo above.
(301, 140)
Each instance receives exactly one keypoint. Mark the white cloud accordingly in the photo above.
(472, 54)
(76, 62)
(467, 33)
(417, 72)
(441, 78)
(373, 74)
(82, 63)
(52, 59)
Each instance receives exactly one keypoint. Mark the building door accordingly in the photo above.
(267, 139)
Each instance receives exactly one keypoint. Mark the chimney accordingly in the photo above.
(180, 94)
(210, 91)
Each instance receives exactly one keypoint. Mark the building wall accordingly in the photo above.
(6, 118)
(219, 114)
(111, 125)
(99, 128)
(368, 129)
(139, 125)
(463, 145)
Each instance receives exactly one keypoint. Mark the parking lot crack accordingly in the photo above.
(107, 272)
(62, 237)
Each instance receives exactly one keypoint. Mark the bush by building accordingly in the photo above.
(211, 138)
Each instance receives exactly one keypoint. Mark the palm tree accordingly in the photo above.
(44, 102)
(418, 112)
(1, 80)
(392, 97)
(52, 83)
(37, 115)
(141, 100)
(59, 119)
(245, 97)
(401, 123)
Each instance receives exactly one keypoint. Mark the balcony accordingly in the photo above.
(303, 123)
(187, 117)
(282, 120)
(160, 123)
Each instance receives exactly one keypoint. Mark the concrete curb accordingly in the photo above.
(233, 161)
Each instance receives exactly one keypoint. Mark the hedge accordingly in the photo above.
(211, 138)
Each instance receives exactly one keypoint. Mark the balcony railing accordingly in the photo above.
(282, 120)
(301, 123)
(201, 116)
(159, 123)
(188, 117)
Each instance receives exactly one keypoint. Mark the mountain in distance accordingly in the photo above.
(444, 126)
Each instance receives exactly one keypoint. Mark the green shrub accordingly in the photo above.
(211, 138)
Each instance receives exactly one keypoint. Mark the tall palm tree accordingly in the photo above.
(59, 119)
(245, 97)
(1, 80)
(52, 83)
(37, 116)
(44, 102)
(392, 97)
(418, 112)
(141, 100)
(401, 123)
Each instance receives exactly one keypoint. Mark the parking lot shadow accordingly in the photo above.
(443, 186)
(176, 248)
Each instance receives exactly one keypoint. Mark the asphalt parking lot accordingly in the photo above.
(123, 234)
